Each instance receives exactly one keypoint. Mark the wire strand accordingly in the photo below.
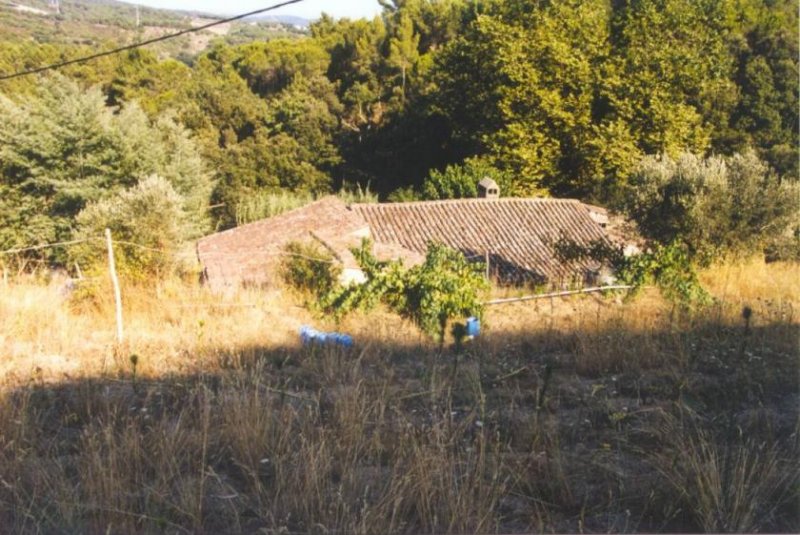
(46, 245)
(133, 46)
(220, 255)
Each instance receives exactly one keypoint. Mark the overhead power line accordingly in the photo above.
(132, 46)
(46, 246)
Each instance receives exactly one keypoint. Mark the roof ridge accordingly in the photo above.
(470, 200)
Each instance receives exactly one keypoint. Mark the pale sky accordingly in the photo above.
(310, 9)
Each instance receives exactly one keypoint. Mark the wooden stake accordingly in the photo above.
(487, 265)
(115, 281)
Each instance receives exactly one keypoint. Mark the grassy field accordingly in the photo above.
(580, 415)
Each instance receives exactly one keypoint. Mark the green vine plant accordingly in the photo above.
(443, 288)
(668, 267)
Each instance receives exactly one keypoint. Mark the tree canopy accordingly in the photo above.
(556, 98)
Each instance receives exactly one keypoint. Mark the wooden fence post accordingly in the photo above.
(115, 281)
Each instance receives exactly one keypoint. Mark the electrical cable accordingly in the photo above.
(133, 46)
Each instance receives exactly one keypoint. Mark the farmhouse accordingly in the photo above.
(515, 236)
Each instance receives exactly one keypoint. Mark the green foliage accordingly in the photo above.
(403, 51)
(263, 204)
(272, 66)
(670, 73)
(461, 181)
(63, 148)
(383, 282)
(307, 111)
(309, 268)
(569, 95)
(766, 52)
(713, 205)
(282, 138)
(356, 194)
(147, 223)
(669, 267)
(445, 287)
(355, 63)
(562, 98)
(785, 248)
(519, 84)
(406, 194)
(250, 32)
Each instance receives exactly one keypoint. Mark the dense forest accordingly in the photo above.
(135, 397)
(564, 98)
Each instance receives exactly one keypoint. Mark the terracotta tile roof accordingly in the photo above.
(517, 234)
(249, 253)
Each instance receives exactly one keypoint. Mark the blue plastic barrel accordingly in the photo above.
(473, 326)
(309, 335)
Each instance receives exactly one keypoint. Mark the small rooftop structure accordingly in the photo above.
(488, 188)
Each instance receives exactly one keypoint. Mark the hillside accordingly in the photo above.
(570, 415)
(97, 23)
(136, 399)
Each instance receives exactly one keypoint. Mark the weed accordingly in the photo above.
(571, 415)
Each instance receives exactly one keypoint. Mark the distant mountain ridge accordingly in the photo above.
(100, 22)
(283, 19)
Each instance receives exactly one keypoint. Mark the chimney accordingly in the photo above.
(488, 189)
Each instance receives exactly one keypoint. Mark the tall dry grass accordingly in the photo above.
(567, 415)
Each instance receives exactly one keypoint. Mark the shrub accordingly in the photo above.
(356, 194)
(406, 194)
(147, 223)
(262, 204)
(669, 267)
(309, 268)
(445, 287)
(268, 203)
(63, 148)
(713, 205)
(461, 180)
(785, 248)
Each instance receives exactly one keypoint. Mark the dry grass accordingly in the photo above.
(571, 415)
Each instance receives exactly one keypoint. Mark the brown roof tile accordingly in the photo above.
(249, 253)
(517, 234)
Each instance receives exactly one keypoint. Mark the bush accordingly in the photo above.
(262, 204)
(785, 248)
(712, 205)
(461, 180)
(147, 223)
(445, 287)
(356, 194)
(406, 194)
(309, 268)
(257, 205)
(669, 267)
(63, 148)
